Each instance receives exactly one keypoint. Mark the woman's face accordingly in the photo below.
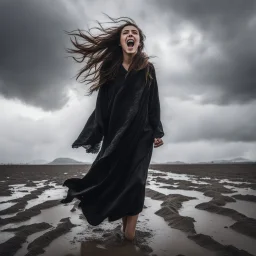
(130, 39)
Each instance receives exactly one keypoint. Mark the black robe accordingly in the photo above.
(121, 129)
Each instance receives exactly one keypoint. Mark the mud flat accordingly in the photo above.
(189, 210)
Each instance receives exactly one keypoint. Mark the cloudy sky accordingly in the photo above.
(205, 64)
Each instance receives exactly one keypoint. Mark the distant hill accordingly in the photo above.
(221, 161)
(63, 160)
(234, 160)
(241, 159)
(176, 162)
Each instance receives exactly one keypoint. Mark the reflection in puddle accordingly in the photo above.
(92, 248)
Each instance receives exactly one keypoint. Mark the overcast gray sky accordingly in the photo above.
(206, 71)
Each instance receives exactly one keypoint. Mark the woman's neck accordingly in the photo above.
(127, 59)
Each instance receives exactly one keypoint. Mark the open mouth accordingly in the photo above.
(130, 42)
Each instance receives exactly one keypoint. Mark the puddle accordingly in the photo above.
(17, 192)
(92, 248)
(5, 206)
(58, 192)
(168, 241)
(167, 191)
(23, 250)
(174, 176)
(234, 182)
(199, 182)
(7, 216)
(53, 216)
(242, 191)
(213, 225)
(39, 181)
(244, 207)
(5, 236)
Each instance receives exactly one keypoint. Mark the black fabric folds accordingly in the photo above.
(121, 130)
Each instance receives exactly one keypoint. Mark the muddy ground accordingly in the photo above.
(189, 210)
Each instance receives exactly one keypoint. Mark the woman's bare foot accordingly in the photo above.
(129, 236)
(130, 227)
(124, 219)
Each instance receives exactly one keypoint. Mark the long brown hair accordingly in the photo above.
(104, 55)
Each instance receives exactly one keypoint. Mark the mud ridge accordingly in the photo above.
(246, 226)
(243, 225)
(12, 245)
(222, 250)
(218, 198)
(155, 194)
(5, 191)
(189, 185)
(169, 210)
(250, 198)
(241, 185)
(158, 174)
(28, 213)
(36, 247)
(212, 207)
(23, 201)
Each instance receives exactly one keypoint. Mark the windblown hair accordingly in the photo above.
(104, 55)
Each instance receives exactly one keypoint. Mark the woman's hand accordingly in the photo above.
(158, 142)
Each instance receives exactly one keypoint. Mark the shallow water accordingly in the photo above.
(242, 191)
(214, 224)
(169, 241)
(244, 207)
(165, 241)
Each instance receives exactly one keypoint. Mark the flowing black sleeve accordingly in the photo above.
(93, 132)
(154, 112)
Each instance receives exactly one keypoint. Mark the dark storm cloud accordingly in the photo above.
(229, 75)
(237, 126)
(33, 63)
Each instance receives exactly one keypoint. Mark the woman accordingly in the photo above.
(122, 129)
